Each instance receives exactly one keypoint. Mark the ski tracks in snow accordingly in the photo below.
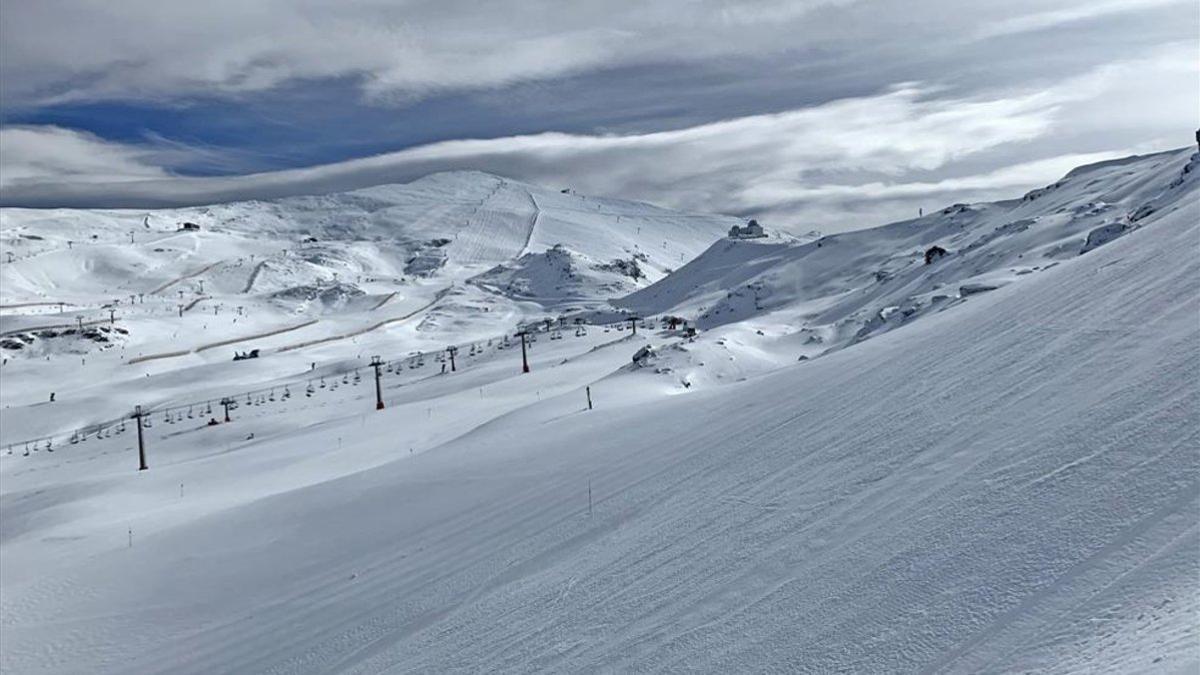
(253, 276)
(492, 234)
(537, 213)
(366, 329)
(185, 277)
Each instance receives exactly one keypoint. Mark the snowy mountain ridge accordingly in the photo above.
(811, 298)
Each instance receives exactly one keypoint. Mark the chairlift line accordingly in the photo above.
(173, 414)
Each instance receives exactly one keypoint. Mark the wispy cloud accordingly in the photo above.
(64, 50)
(79, 50)
(750, 164)
(1021, 23)
(852, 162)
(48, 154)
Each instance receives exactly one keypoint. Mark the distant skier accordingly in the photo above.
(52, 397)
(443, 369)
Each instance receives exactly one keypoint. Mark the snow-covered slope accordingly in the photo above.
(393, 244)
(453, 257)
(774, 302)
(1008, 485)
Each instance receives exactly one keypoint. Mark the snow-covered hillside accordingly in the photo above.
(114, 296)
(769, 302)
(984, 464)
(393, 245)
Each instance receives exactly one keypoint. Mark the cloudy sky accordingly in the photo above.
(825, 114)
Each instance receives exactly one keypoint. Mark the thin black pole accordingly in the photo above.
(589, 396)
(452, 351)
(376, 363)
(524, 356)
(137, 416)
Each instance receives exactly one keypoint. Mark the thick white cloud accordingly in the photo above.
(58, 50)
(55, 50)
(52, 154)
(845, 164)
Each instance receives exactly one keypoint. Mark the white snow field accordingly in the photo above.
(1005, 479)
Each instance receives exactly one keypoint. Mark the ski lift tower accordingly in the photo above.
(376, 363)
(137, 418)
(228, 403)
(523, 333)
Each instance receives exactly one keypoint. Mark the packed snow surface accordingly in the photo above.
(987, 463)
